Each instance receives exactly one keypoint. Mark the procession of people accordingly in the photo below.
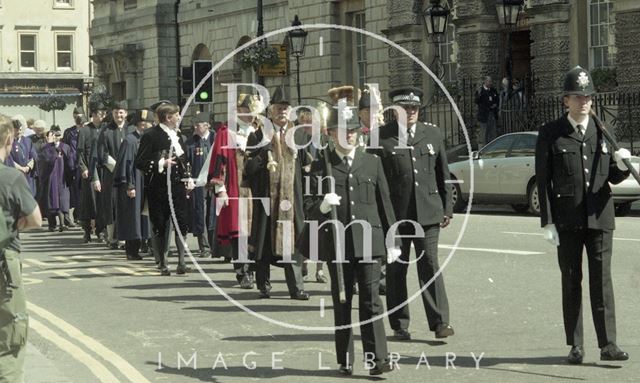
(272, 188)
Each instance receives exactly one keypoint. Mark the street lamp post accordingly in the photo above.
(508, 13)
(297, 40)
(435, 20)
(260, 32)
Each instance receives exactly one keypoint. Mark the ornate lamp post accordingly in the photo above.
(508, 13)
(435, 20)
(297, 42)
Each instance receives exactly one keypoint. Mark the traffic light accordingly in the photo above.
(201, 69)
(187, 80)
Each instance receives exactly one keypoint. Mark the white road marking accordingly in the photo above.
(540, 235)
(127, 271)
(321, 307)
(61, 273)
(96, 271)
(98, 369)
(65, 260)
(114, 359)
(497, 251)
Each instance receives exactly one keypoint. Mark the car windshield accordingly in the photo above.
(498, 148)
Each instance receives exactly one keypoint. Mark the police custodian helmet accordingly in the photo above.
(578, 81)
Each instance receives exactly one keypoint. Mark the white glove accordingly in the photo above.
(619, 155)
(551, 234)
(190, 184)
(393, 253)
(330, 199)
(222, 200)
(96, 186)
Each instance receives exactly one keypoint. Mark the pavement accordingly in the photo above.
(96, 317)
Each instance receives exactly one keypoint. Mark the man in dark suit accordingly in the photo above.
(108, 145)
(415, 163)
(87, 137)
(361, 197)
(574, 166)
(154, 159)
(487, 100)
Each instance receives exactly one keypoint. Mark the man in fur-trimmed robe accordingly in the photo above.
(275, 171)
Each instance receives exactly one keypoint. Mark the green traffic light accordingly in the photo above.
(204, 95)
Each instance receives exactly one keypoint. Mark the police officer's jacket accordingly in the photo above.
(573, 175)
(365, 197)
(417, 172)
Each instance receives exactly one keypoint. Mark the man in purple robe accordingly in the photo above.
(54, 161)
(70, 137)
(23, 156)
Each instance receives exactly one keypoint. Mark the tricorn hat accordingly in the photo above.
(19, 121)
(279, 97)
(119, 105)
(143, 115)
(95, 106)
(202, 117)
(578, 81)
(409, 95)
(155, 106)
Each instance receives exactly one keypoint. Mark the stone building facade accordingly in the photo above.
(44, 49)
(140, 60)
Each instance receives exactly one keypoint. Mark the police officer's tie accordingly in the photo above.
(409, 136)
(580, 130)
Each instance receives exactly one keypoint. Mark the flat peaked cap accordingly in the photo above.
(406, 96)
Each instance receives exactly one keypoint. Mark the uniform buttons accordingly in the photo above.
(586, 171)
(587, 184)
(564, 150)
(351, 188)
(415, 171)
(350, 175)
(558, 195)
(353, 217)
(585, 157)
(353, 203)
(414, 159)
(417, 184)
(584, 144)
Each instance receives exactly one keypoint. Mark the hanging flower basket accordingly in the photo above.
(53, 102)
(259, 54)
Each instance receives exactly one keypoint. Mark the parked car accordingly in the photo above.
(504, 173)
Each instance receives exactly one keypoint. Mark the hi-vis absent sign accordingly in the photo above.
(277, 70)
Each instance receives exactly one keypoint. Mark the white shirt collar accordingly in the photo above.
(584, 122)
(350, 156)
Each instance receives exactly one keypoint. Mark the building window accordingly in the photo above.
(601, 34)
(447, 57)
(28, 51)
(64, 51)
(130, 4)
(360, 49)
(63, 3)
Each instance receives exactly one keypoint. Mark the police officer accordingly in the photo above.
(19, 211)
(361, 194)
(574, 166)
(415, 163)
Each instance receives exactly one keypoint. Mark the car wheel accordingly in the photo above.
(456, 198)
(623, 209)
(520, 208)
(534, 200)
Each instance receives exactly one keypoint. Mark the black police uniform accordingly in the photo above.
(365, 196)
(416, 175)
(573, 173)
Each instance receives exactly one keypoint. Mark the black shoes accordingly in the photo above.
(182, 270)
(264, 294)
(613, 352)
(345, 370)
(576, 355)
(443, 330)
(300, 295)
(402, 334)
(165, 272)
(246, 282)
(134, 257)
(381, 368)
